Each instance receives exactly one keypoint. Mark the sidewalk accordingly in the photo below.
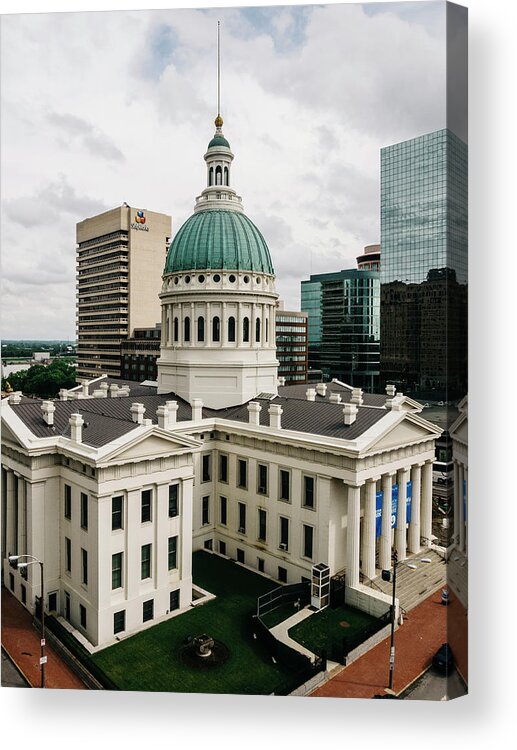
(22, 642)
(416, 641)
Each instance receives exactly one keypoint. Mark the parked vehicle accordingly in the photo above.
(443, 660)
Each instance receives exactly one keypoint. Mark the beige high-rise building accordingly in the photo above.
(120, 259)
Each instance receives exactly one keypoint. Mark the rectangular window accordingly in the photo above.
(84, 566)
(223, 510)
(24, 594)
(206, 470)
(68, 555)
(262, 518)
(308, 541)
(116, 570)
(222, 548)
(68, 607)
(223, 467)
(260, 564)
(173, 500)
(284, 533)
(174, 600)
(242, 473)
(242, 518)
(285, 493)
(173, 552)
(11, 581)
(146, 505)
(68, 501)
(148, 610)
(82, 616)
(282, 574)
(308, 492)
(262, 480)
(117, 507)
(240, 556)
(119, 621)
(205, 510)
(84, 510)
(145, 561)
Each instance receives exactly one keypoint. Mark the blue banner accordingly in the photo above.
(409, 494)
(394, 504)
(378, 513)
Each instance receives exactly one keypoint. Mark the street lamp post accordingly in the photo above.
(23, 565)
(388, 576)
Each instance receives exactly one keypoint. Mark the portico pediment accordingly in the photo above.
(151, 445)
(459, 430)
(410, 429)
(8, 436)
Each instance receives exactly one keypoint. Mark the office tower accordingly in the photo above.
(424, 266)
(291, 345)
(120, 258)
(343, 321)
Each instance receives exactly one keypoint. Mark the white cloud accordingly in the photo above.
(102, 108)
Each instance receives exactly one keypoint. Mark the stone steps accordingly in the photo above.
(415, 585)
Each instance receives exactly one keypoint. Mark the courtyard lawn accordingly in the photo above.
(325, 630)
(150, 660)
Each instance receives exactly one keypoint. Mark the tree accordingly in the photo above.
(43, 381)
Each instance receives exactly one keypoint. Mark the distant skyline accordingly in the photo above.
(104, 107)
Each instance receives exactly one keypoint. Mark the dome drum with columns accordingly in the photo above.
(218, 298)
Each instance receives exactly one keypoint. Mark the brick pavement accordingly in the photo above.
(22, 643)
(416, 642)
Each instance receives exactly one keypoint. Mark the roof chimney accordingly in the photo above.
(63, 394)
(357, 396)
(15, 397)
(275, 416)
(48, 409)
(172, 407)
(197, 409)
(310, 394)
(394, 403)
(254, 409)
(281, 380)
(321, 389)
(390, 389)
(76, 422)
(335, 398)
(114, 389)
(350, 413)
(104, 387)
(84, 389)
(137, 413)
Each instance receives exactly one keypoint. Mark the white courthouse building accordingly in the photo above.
(114, 485)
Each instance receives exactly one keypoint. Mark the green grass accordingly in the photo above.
(321, 630)
(149, 660)
(278, 615)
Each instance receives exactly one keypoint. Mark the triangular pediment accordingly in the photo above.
(411, 429)
(152, 445)
(460, 429)
(8, 435)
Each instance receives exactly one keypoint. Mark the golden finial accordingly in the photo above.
(218, 121)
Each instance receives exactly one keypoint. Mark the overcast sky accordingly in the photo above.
(106, 107)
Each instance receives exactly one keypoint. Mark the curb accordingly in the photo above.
(22, 673)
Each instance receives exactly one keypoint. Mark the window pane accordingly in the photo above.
(84, 510)
(173, 500)
(116, 512)
(146, 561)
(173, 552)
(116, 570)
(146, 505)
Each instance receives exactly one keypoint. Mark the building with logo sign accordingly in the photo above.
(120, 256)
(115, 484)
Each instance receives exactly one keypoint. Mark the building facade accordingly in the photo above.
(139, 354)
(292, 349)
(424, 266)
(120, 255)
(343, 322)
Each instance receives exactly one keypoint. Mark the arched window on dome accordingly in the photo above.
(176, 329)
(201, 328)
(226, 176)
(216, 328)
(186, 329)
(257, 330)
(211, 176)
(218, 176)
(231, 329)
(246, 329)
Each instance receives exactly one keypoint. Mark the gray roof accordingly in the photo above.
(107, 419)
(298, 391)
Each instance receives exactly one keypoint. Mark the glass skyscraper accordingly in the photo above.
(424, 235)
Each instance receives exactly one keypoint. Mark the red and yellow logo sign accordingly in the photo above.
(140, 217)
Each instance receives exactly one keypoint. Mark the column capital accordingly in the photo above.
(355, 485)
(373, 480)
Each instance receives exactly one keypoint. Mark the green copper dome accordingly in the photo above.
(218, 140)
(218, 239)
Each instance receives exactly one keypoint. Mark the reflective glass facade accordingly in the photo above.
(424, 236)
(344, 326)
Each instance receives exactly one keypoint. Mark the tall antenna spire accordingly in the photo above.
(218, 119)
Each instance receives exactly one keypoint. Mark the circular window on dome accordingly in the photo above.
(231, 278)
(201, 278)
(246, 279)
(258, 279)
(187, 279)
(217, 278)
(176, 280)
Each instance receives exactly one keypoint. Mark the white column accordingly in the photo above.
(400, 530)
(208, 325)
(414, 526)
(352, 535)
(193, 326)
(385, 545)
(368, 541)
(159, 567)
(11, 535)
(224, 325)
(131, 574)
(163, 334)
(462, 513)
(427, 502)
(466, 510)
(22, 504)
(457, 495)
(36, 534)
